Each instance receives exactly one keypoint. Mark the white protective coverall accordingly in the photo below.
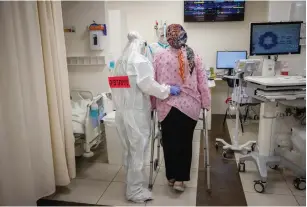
(133, 112)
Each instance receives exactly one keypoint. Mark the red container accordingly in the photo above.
(284, 73)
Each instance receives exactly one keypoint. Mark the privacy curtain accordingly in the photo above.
(58, 98)
(36, 141)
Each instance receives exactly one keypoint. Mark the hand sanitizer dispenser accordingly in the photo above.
(97, 31)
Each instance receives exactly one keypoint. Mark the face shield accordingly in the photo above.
(161, 34)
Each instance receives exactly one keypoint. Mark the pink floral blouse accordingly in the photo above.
(195, 93)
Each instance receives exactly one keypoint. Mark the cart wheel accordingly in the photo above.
(259, 186)
(216, 145)
(241, 167)
(274, 167)
(256, 117)
(299, 184)
(88, 154)
(253, 147)
(156, 164)
(224, 154)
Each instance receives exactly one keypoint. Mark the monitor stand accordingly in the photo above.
(230, 71)
(268, 67)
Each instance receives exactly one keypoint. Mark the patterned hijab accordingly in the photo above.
(177, 37)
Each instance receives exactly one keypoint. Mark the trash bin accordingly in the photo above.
(114, 147)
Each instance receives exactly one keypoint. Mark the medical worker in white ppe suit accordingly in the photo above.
(133, 112)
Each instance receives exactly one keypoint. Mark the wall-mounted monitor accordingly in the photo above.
(214, 11)
(275, 38)
(228, 59)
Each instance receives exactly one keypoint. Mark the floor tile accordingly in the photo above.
(199, 125)
(148, 153)
(99, 171)
(245, 137)
(82, 191)
(50, 197)
(289, 177)
(250, 132)
(196, 136)
(276, 183)
(251, 166)
(147, 158)
(165, 196)
(195, 161)
(258, 199)
(231, 123)
(301, 200)
(162, 163)
(254, 175)
(274, 186)
(161, 178)
(121, 175)
(195, 147)
(115, 195)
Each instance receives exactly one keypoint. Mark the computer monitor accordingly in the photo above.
(228, 59)
(275, 38)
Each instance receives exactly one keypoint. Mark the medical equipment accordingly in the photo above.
(161, 38)
(156, 135)
(270, 91)
(214, 11)
(275, 38)
(243, 68)
(227, 59)
(161, 31)
(87, 132)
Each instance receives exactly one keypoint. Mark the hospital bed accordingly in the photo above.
(87, 131)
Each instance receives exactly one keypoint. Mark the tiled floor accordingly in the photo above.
(279, 191)
(104, 184)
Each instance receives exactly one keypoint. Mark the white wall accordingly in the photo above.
(204, 38)
(81, 14)
(280, 11)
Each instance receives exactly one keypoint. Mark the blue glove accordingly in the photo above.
(175, 90)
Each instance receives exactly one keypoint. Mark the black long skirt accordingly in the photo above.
(177, 137)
